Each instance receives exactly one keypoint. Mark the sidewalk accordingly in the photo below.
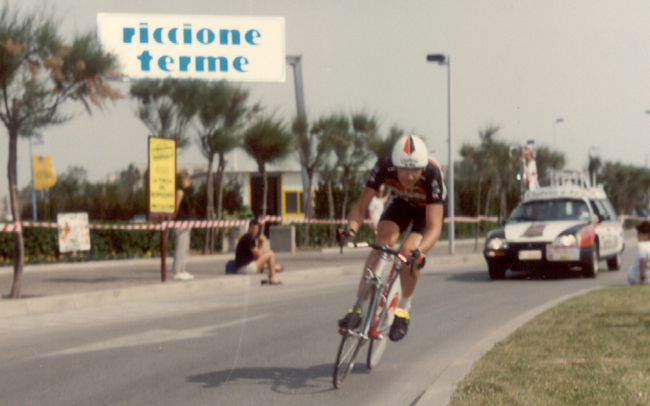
(59, 287)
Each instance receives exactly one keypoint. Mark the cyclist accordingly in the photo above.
(417, 197)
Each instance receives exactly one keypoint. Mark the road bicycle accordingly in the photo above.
(376, 306)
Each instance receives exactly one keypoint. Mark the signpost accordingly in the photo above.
(161, 189)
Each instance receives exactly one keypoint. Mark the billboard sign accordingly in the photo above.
(162, 176)
(158, 46)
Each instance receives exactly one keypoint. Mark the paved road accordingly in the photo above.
(271, 345)
(48, 288)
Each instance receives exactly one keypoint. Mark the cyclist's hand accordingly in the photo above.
(417, 259)
(345, 234)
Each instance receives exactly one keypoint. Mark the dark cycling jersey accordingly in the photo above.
(429, 189)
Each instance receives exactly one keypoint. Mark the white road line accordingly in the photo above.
(150, 337)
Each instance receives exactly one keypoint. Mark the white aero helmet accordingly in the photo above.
(410, 152)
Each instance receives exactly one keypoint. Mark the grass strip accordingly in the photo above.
(590, 350)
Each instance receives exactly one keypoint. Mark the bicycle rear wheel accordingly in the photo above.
(352, 339)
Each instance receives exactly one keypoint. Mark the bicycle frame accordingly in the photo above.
(374, 302)
(370, 327)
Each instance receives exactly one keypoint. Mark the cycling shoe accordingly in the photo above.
(400, 325)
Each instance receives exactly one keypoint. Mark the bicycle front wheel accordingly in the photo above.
(353, 338)
(348, 350)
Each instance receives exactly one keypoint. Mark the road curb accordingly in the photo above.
(174, 289)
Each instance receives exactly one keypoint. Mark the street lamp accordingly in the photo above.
(593, 154)
(557, 120)
(442, 59)
(295, 62)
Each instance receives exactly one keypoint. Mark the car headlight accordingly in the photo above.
(568, 240)
(496, 244)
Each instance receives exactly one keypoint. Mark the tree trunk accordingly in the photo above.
(208, 244)
(19, 247)
(221, 169)
(478, 212)
(310, 175)
(330, 203)
(265, 184)
(346, 187)
(487, 201)
(502, 203)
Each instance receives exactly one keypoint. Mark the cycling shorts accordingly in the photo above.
(402, 213)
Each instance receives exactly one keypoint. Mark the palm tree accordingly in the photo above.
(220, 108)
(313, 151)
(382, 146)
(161, 107)
(348, 139)
(267, 141)
(39, 72)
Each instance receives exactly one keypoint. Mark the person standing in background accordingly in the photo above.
(376, 208)
(638, 272)
(183, 212)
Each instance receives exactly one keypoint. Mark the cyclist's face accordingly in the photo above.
(408, 177)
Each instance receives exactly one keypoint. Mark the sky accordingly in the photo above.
(517, 65)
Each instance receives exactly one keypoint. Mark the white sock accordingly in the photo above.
(405, 303)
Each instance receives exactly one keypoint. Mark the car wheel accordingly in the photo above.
(497, 271)
(590, 268)
(614, 264)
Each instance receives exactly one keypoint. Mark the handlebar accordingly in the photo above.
(382, 248)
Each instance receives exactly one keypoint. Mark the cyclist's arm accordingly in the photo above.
(358, 211)
(434, 213)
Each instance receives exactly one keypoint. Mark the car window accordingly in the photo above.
(602, 212)
(607, 205)
(550, 210)
(595, 208)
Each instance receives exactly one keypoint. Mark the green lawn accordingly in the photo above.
(590, 350)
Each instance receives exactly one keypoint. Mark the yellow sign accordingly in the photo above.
(44, 175)
(162, 175)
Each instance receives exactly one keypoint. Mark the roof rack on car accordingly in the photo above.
(569, 177)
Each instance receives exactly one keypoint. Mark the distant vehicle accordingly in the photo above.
(139, 218)
(567, 227)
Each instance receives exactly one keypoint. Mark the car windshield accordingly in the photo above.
(550, 210)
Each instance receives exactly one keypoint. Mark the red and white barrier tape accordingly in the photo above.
(298, 220)
(204, 223)
(13, 227)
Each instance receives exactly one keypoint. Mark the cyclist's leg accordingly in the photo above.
(387, 234)
(409, 279)
(412, 241)
(394, 220)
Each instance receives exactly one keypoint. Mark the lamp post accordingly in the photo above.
(593, 154)
(294, 61)
(442, 59)
(557, 120)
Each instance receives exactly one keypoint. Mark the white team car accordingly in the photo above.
(557, 227)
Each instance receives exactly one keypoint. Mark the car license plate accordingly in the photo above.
(562, 253)
(530, 254)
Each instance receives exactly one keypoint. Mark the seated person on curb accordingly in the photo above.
(253, 256)
(417, 197)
